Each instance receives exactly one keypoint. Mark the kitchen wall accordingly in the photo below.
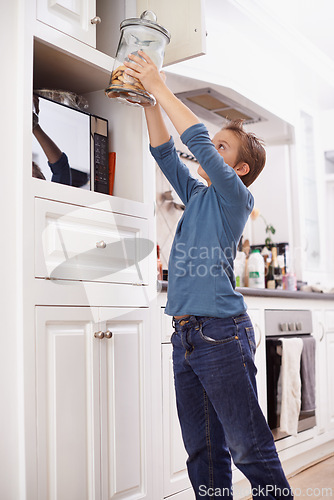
(270, 191)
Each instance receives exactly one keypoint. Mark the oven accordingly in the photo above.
(290, 324)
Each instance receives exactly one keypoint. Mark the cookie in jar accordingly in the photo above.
(144, 34)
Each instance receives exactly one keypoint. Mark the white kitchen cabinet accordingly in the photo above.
(126, 470)
(330, 379)
(184, 19)
(93, 423)
(329, 334)
(73, 17)
(82, 243)
(321, 370)
(257, 318)
(175, 455)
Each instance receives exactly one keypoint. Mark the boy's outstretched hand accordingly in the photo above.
(143, 68)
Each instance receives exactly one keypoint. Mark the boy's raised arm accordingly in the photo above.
(157, 129)
(145, 70)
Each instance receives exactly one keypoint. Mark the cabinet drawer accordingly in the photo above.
(79, 243)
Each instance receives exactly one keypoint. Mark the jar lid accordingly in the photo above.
(148, 19)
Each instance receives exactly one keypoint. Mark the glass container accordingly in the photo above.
(145, 34)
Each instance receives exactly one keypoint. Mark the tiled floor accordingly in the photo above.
(317, 481)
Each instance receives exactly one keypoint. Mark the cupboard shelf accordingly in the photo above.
(68, 64)
(85, 198)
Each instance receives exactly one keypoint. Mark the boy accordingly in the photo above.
(213, 341)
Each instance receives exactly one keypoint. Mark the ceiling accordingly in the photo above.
(313, 19)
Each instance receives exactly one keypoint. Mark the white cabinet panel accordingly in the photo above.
(175, 470)
(125, 379)
(93, 404)
(257, 318)
(329, 320)
(72, 17)
(166, 325)
(184, 19)
(330, 379)
(321, 370)
(80, 243)
(68, 428)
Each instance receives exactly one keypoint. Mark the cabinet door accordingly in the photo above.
(257, 318)
(72, 17)
(321, 378)
(175, 469)
(330, 378)
(125, 401)
(184, 19)
(68, 423)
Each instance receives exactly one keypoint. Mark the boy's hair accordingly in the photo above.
(251, 151)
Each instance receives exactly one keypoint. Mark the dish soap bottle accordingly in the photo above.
(239, 268)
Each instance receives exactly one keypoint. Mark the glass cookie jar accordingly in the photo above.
(145, 34)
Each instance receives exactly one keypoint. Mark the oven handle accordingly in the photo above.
(260, 337)
(323, 331)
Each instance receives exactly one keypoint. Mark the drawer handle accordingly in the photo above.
(108, 334)
(101, 244)
(260, 337)
(99, 335)
(322, 330)
(95, 20)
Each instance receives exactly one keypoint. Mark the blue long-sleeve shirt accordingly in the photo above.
(200, 270)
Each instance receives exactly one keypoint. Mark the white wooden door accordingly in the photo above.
(175, 455)
(321, 370)
(68, 415)
(330, 379)
(184, 19)
(72, 17)
(127, 466)
(257, 318)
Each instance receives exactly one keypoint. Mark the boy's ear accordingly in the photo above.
(242, 168)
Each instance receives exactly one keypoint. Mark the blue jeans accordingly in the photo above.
(218, 408)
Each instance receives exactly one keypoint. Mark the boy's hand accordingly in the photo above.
(145, 70)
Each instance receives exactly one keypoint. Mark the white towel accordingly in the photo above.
(290, 385)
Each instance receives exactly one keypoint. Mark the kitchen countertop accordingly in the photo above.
(265, 292)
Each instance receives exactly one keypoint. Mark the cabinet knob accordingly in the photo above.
(108, 334)
(101, 244)
(99, 335)
(95, 20)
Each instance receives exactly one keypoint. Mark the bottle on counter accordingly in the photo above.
(159, 264)
(256, 270)
(278, 276)
(239, 268)
(270, 277)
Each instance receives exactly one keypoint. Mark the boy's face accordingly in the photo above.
(227, 145)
